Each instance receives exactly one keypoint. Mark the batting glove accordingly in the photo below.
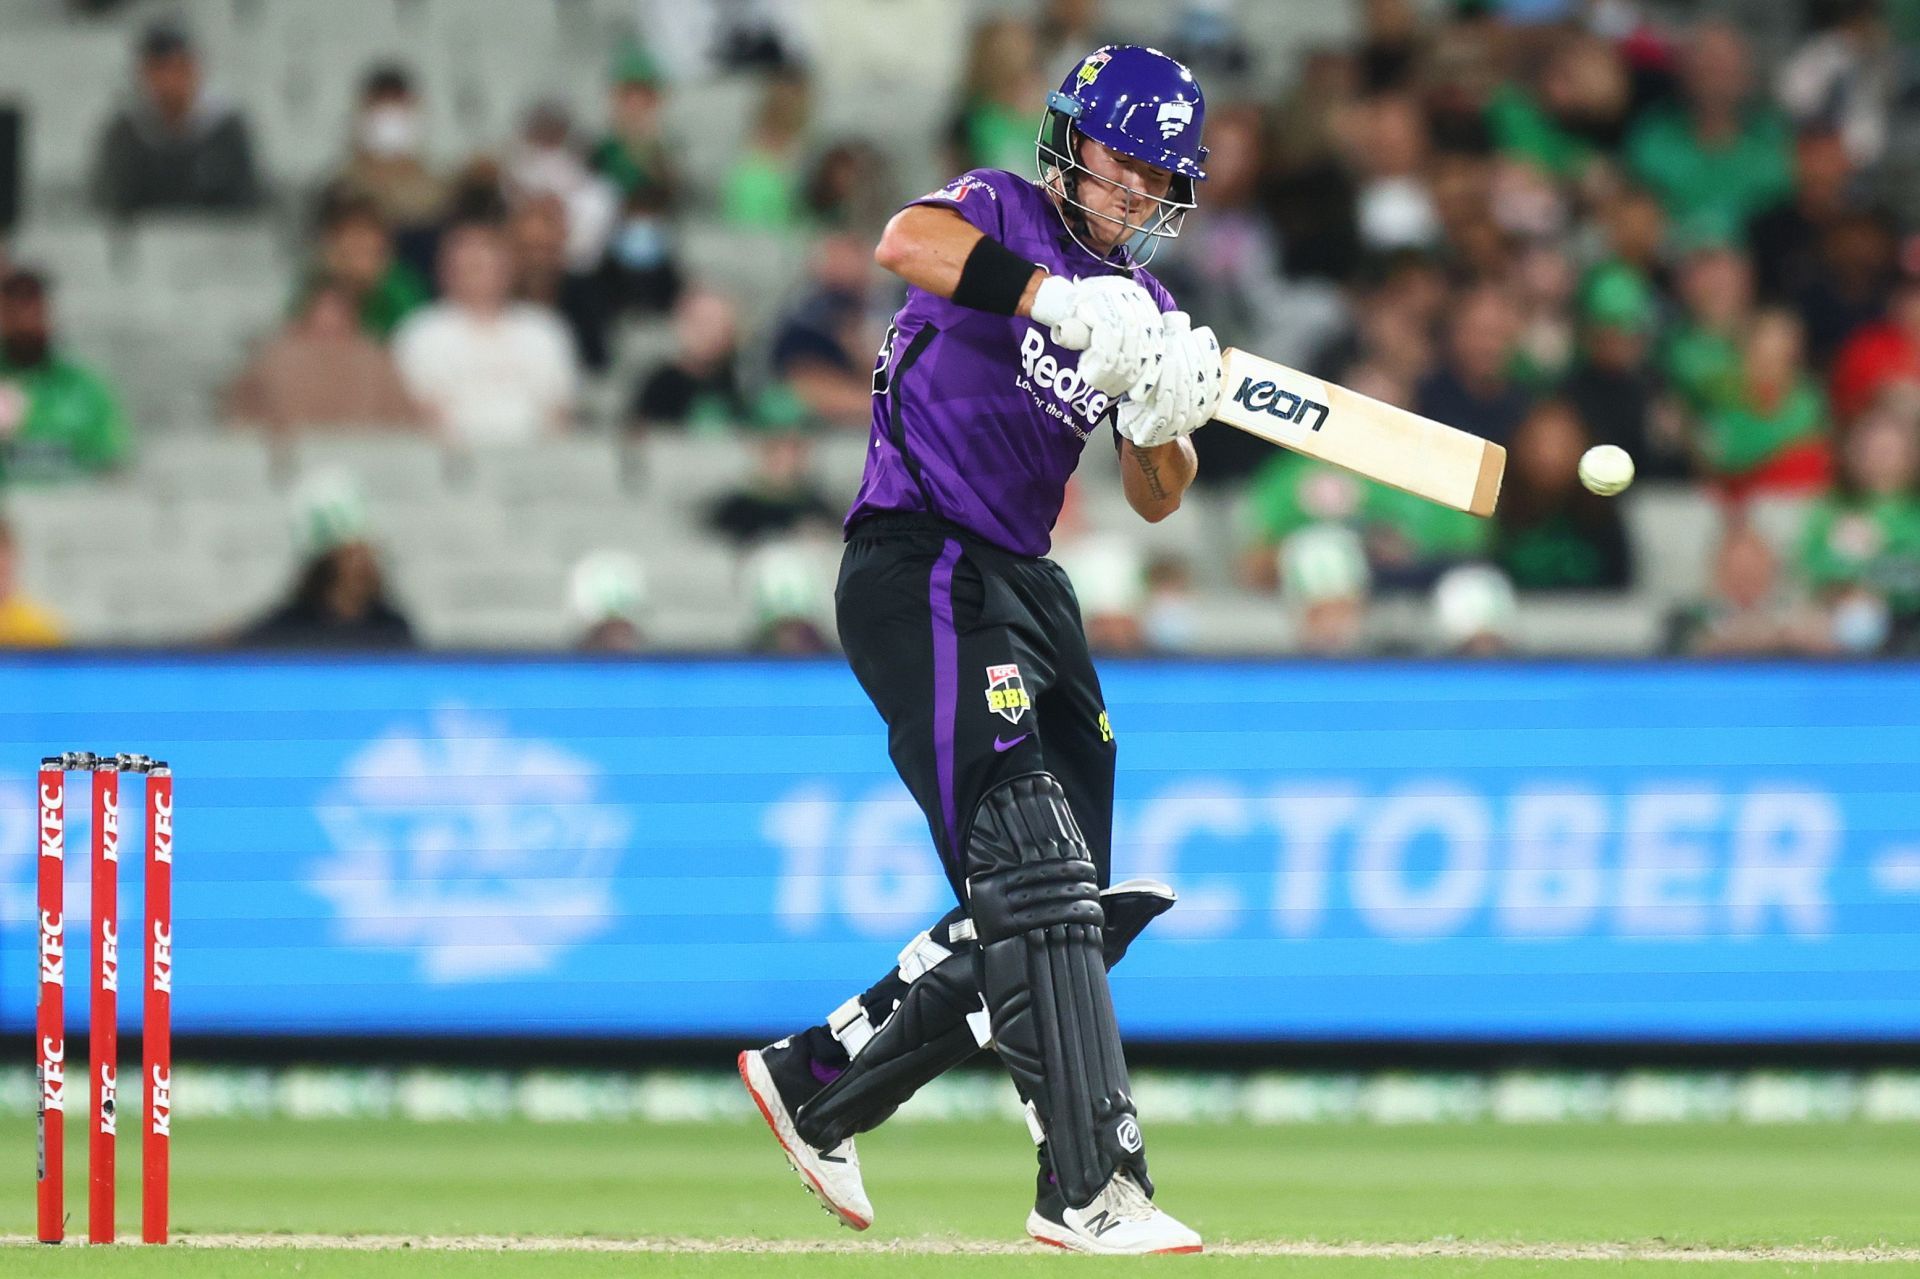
(1111, 319)
(1180, 395)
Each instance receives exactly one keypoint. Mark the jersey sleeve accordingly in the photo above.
(981, 196)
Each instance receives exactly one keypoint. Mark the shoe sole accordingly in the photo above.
(1036, 1228)
(759, 1089)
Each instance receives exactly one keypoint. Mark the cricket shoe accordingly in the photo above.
(832, 1175)
(1121, 1221)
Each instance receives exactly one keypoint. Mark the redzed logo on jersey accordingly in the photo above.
(1007, 693)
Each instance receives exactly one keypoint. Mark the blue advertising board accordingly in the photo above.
(687, 848)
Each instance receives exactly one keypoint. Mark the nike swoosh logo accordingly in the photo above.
(1001, 745)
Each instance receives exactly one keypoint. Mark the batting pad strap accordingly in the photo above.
(1040, 894)
(1035, 1129)
(994, 278)
(921, 955)
(850, 1025)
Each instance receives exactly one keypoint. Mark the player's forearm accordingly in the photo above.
(1156, 478)
(929, 248)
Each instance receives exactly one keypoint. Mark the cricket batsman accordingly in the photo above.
(1030, 323)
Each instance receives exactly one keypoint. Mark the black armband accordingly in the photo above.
(994, 278)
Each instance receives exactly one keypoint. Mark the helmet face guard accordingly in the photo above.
(1139, 103)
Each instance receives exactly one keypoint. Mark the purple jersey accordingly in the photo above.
(980, 418)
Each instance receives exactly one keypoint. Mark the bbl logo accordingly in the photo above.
(1265, 397)
(1007, 693)
(1090, 69)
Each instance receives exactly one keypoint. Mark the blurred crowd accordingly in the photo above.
(1553, 223)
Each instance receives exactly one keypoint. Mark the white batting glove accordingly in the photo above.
(1181, 395)
(1111, 319)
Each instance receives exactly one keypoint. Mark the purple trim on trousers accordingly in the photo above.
(946, 678)
(824, 1073)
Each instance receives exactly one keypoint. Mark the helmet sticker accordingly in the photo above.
(1090, 69)
(1175, 116)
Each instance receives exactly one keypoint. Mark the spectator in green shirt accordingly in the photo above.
(58, 419)
(1553, 535)
(1701, 357)
(1573, 116)
(1716, 159)
(1864, 539)
(633, 153)
(761, 191)
(1773, 435)
(356, 254)
(994, 129)
(1408, 541)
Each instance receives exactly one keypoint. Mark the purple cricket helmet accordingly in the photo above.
(1141, 103)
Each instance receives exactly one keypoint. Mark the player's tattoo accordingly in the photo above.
(1150, 470)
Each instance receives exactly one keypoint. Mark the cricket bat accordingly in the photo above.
(1362, 434)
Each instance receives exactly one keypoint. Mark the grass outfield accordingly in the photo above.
(1504, 1194)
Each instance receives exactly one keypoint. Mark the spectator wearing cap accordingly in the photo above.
(1323, 575)
(1474, 388)
(322, 371)
(489, 370)
(1108, 574)
(698, 387)
(791, 592)
(640, 271)
(781, 497)
(23, 622)
(1718, 156)
(1749, 611)
(1407, 540)
(1475, 612)
(633, 153)
(1551, 534)
(546, 160)
(607, 595)
(1613, 387)
(1880, 355)
(356, 253)
(339, 598)
(1771, 436)
(1861, 545)
(823, 347)
(58, 418)
(386, 161)
(179, 147)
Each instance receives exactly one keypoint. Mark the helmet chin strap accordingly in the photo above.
(1073, 214)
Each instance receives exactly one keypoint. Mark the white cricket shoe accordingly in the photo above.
(1121, 1221)
(833, 1176)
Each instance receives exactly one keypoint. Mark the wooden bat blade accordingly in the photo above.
(1366, 436)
